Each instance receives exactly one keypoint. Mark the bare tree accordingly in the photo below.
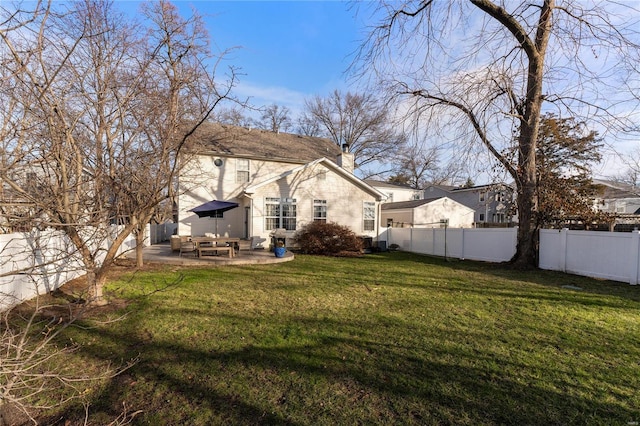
(234, 117)
(493, 68)
(180, 93)
(308, 126)
(360, 121)
(107, 109)
(33, 375)
(416, 166)
(276, 118)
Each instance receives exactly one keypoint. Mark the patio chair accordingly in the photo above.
(188, 247)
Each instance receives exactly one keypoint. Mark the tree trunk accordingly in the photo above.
(527, 245)
(139, 248)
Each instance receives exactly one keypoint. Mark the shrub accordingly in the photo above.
(327, 239)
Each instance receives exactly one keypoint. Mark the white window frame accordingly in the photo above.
(368, 216)
(243, 170)
(289, 212)
(320, 211)
(280, 213)
(481, 217)
(272, 213)
(483, 196)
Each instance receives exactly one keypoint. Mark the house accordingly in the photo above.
(278, 181)
(616, 197)
(619, 201)
(427, 213)
(395, 192)
(493, 204)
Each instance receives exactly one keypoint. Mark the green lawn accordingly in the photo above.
(392, 338)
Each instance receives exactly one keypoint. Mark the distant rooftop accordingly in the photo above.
(407, 204)
(383, 184)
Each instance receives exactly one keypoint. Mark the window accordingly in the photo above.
(417, 195)
(498, 218)
(242, 170)
(389, 222)
(500, 197)
(369, 216)
(280, 214)
(483, 196)
(289, 215)
(320, 211)
(481, 218)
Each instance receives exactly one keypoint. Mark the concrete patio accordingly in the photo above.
(162, 253)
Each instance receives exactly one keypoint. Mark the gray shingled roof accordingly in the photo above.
(244, 142)
(407, 204)
(615, 190)
(382, 184)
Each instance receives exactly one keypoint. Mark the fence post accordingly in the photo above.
(634, 257)
(564, 234)
(411, 239)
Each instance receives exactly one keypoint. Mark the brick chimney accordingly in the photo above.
(346, 159)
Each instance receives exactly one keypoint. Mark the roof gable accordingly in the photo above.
(238, 141)
(328, 164)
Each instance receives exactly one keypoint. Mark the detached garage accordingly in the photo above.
(429, 213)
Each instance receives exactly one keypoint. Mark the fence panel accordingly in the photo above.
(39, 262)
(489, 245)
(161, 232)
(609, 255)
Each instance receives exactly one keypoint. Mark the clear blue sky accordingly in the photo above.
(288, 50)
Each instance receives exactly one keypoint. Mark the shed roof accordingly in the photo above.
(408, 204)
(382, 184)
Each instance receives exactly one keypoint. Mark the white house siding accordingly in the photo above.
(344, 200)
(428, 215)
(204, 181)
(459, 216)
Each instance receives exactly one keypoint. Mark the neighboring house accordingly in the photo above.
(280, 181)
(616, 197)
(493, 204)
(621, 202)
(426, 213)
(395, 192)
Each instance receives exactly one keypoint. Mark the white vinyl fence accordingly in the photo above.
(609, 255)
(485, 244)
(38, 262)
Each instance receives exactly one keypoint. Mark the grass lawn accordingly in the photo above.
(389, 338)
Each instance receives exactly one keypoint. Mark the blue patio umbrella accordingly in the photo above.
(213, 208)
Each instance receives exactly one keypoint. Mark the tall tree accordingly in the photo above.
(492, 66)
(308, 126)
(416, 166)
(275, 118)
(106, 111)
(565, 153)
(360, 121)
